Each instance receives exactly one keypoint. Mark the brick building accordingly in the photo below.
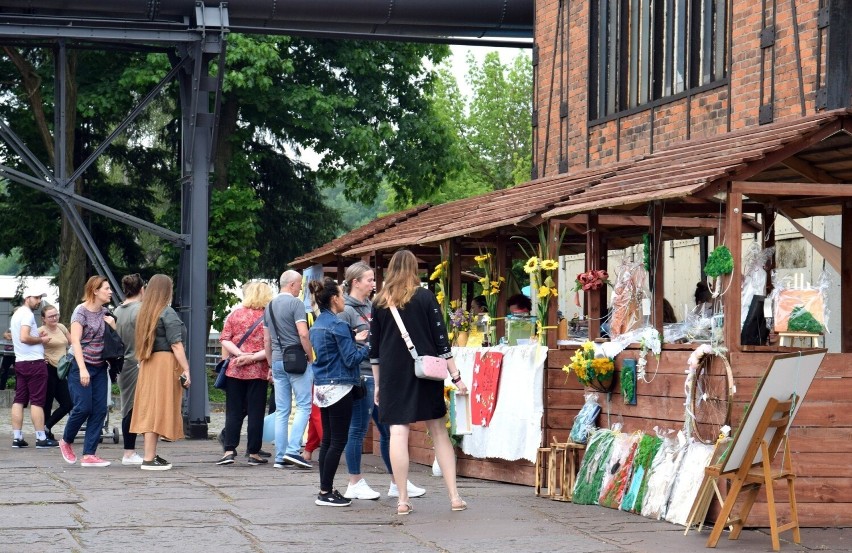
(617, 79)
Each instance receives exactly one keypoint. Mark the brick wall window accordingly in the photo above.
(646, 50)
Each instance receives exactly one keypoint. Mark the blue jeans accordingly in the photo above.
(287, 386)
(90, 405)
(361, 410)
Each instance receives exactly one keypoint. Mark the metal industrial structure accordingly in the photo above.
(195, 35)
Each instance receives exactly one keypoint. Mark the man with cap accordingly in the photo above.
(30, 370)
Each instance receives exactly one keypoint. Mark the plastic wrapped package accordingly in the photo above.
(584, 422)
(754, 274)
(631, 286)
(645, 453)
(591, 471)
(621, 471)
(799, 306)
(688, 480)
(621, 449)
(661, 478)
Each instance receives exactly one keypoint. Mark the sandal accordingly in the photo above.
(458, 504)
(404, 508)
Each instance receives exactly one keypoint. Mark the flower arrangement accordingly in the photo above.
(650, 341)
(591, 370)
(441, 274)
(591, 280)
(459, 318)
(541, 271)
(491, 282)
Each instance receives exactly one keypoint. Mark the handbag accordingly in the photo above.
(64, 366)
(294, 357)
(221, 381)
(360, 389)
(427, 367)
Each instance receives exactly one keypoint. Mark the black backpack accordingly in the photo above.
(113, 352)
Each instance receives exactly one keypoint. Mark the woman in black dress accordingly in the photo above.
(402, 396)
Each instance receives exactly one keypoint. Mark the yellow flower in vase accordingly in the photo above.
(549, 265)
(531, 265)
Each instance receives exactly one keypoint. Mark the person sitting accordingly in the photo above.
(519, 305)
(478, 306)
(703, 300)
(668, 312)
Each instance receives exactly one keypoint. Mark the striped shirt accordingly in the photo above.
(92, 339)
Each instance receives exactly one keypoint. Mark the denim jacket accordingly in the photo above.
(337, 354)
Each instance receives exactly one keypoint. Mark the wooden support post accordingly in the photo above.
(341, 269)
(768, 222)
(594, 306)
(553, 247)
(455, 291)
(503, 264)
(657, 276)
(379, 268)
(733, 282)
(846, 279)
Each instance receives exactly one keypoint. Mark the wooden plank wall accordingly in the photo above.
(821, 439)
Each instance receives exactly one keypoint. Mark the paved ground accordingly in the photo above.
(47, 505)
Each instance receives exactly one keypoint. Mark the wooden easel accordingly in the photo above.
(751, 476)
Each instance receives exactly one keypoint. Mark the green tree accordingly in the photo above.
(364, 107)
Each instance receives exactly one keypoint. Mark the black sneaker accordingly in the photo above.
(261, 453)
(226, 459)
(157, 464)
(254, 461)
(21, 443)
(296, 460)
(50, 435)
(333, 499)
(46, 443)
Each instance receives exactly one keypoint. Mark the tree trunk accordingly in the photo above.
(72, 256)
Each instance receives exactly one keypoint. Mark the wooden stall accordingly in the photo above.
(723, 186)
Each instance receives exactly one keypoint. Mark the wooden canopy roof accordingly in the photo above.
(691, 173)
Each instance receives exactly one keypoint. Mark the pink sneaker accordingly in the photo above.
(93, 461)
(67, 452)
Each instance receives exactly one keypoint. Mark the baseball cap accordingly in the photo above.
(34, 292)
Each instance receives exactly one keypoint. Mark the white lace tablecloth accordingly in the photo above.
(515, 429)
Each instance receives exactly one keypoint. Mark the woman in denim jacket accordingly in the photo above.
(336, 375)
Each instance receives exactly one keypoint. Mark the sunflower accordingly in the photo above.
(549, 265)
(531, 265)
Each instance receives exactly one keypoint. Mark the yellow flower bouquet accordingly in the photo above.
(592, 371)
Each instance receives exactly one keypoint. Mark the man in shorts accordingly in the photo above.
(30, 371)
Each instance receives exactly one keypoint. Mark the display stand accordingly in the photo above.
(747, 463)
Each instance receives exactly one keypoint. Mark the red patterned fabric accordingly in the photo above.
(486, 383)
(236, 325)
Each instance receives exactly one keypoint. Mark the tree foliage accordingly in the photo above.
(364, 107)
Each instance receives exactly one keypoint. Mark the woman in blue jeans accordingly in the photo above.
(359, 282)
(88, 380)
(336, 375)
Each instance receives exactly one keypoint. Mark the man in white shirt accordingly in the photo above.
(30, 371)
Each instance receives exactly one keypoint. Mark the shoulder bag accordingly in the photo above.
(221, 379)
(294, 357)
(425, 366)
(64, 366)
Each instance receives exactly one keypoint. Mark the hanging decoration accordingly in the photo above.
(486, 383)
(592, 368)
(719, 262)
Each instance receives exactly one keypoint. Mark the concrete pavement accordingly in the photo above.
(48, 505)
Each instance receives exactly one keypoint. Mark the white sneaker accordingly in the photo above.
(413, 491)
(134, 459)
(360, 491)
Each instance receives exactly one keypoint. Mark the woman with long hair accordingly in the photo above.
(336, 374)
(248, 374)
(54, 350)
(401, 396)
(160, 336)
(125, 324)
(359, 282)
(88, 380)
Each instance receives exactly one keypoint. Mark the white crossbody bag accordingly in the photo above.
(425, 366)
